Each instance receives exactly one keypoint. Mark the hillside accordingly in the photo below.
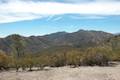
(34, 44)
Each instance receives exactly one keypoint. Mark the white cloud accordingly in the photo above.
(17, 10)
(17, 17)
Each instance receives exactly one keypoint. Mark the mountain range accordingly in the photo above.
(78, 39)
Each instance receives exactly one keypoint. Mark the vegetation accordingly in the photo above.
(56, 56)
(74, 57)
(4, 61)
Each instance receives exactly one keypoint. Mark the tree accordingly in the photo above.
(4, 61)
(18, 50)
(95, 56)
(29, 60)
(18, 46)
(74, 58)
(42, 61)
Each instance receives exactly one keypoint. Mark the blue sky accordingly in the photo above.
(40, 17)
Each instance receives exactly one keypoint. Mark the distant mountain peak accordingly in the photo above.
(13, 35)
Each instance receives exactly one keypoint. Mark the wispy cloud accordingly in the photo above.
(88, 17)
(18, 10)
(57, 18)
(49, 18)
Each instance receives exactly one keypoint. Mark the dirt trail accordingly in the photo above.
(66, 73)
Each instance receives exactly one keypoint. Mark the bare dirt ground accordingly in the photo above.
(66, 73)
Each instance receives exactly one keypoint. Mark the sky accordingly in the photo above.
(41, 17)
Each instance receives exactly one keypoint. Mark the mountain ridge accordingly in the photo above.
(34, 44)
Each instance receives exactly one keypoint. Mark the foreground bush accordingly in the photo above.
(4, 61)
(96, 56)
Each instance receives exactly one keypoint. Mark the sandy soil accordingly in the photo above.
(66, 73)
